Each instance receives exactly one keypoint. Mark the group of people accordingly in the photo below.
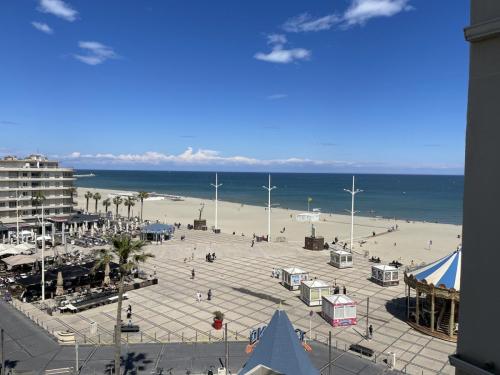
(199, 295)
(336, 289)
(210, 258)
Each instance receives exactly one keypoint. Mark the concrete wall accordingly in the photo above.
(479, 322)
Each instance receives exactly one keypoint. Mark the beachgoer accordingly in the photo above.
(370, 330)
(209, 295)
(213, 256)
(344, 290)
(252, 243)
(154, 270)
(192, 273)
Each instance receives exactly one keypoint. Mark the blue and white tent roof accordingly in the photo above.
(443, 273)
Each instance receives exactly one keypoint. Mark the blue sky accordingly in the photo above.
(331, 86)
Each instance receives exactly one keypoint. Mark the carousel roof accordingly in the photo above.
(444, 272)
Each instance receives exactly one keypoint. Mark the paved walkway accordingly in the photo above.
(30, 350)
(248, 296)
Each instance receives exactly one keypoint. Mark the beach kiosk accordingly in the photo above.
(339, 310)
(341, 259)
(314, 242)
(312, 291)
(385, 275)
(292, 277)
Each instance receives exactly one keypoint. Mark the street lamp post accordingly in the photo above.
(269, 189)
(17, 217)
(43, 255)
(353, 192)
(216, 186)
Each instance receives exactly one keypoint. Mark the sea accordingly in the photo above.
(429, 198)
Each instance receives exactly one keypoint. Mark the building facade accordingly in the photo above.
(478, 348)
(23, 179)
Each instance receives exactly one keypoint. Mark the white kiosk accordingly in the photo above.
(339, 310)
(292, 277)
(312, 291)
(341, 259)
(385, 275)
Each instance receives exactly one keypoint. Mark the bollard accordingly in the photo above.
(127, 337)
(182, 336)
(99, 338)
(345, 347)
(169, 336)
(196, 336)
(236, 335)
(155, 335)
(210, 336)
(84, 339)
(141, 336)
(336, 344)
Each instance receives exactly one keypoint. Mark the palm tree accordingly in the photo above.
(129, 254)
(88, 195)
(117, 201)
(142, 195)
(106, 203)
(97, 197)
(103, 259)
(72, 190)
(129, 202)
(37, 200)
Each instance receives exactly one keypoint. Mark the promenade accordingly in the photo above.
(245, 292)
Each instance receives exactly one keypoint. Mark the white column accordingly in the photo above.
(269, 188)
(353, 192)
(216, 186)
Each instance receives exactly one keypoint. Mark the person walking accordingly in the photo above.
(344, 290)
(192, 274)
(370, 330)
(209, 295)
(198, 296)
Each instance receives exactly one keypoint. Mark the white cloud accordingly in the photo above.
(304, 23)
(43, 27)
(95, 53)
(204, 159)
(358, 13)
(277, 96)
(191, 157)
(279, 54)
(274, 39)
(361, 11)
(58, 8)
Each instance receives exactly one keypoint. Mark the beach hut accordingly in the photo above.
(312, 291)
(292, 277)
(341, 259)
(339, 310)
(385, 275)
(434, 310)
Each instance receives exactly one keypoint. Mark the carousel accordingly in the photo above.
(434, 309)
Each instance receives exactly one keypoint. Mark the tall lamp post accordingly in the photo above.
(269, 189)
(216, 186)
(353, 192)
(17, 217)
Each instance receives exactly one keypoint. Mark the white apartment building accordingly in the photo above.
(22, 179)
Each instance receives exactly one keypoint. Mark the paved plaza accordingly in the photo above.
(245, 292)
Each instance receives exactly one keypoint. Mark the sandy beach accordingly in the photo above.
(409, 243)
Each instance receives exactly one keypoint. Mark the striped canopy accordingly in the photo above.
(443, 273)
